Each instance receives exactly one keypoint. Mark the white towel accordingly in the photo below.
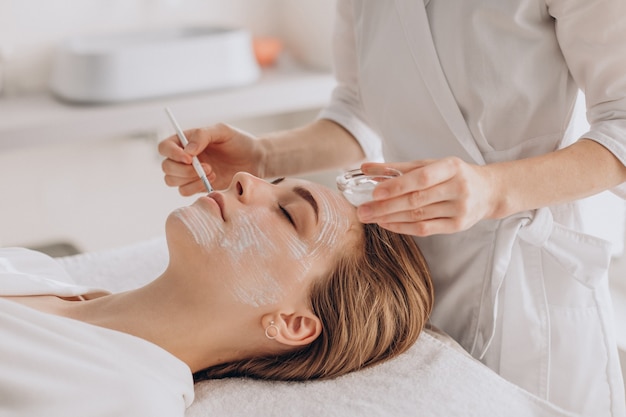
(431, 379)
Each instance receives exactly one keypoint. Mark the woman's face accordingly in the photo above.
(262, 242)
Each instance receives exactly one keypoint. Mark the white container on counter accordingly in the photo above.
(132, 66)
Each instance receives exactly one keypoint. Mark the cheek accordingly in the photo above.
(265, 262)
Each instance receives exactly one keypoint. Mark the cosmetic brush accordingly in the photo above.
(195, 162)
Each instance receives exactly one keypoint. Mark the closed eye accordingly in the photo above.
(287, 215)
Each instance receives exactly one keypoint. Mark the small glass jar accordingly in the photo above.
(357, 187)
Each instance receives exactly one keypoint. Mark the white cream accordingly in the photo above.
(204, 229)
(333, 223)
(249, 248)
(360, 194)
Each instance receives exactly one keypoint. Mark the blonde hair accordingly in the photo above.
(373, 305)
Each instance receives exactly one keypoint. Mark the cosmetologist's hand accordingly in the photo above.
(222, 150)
(431, 197)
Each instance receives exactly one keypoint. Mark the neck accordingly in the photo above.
(169, 315)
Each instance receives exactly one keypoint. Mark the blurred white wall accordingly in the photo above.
(102, 194)
(29, 29)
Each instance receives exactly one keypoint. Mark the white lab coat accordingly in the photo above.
(488, 81)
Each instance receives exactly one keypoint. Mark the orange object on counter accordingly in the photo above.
(266, 50)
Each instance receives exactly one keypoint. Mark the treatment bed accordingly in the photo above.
(434, 378)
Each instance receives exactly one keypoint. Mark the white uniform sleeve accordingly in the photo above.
(592, 36)
(346, 107)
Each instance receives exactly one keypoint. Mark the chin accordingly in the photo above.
(195, 225)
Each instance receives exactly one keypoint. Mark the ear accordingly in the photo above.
(296, 329)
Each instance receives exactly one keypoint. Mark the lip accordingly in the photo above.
(218, 199)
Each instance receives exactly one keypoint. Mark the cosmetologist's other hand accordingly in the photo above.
(222, 150)
(431, 197)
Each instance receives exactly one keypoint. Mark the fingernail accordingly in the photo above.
(191, 147)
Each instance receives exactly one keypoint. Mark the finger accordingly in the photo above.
(420, 214)
(179, 180)
(424, 228)
(417, 179)
(200, 139)
(188, 186)
(178, 169)
(403, 167)
(192, 188)
(173, 181)
(171, 148)
(374, 211)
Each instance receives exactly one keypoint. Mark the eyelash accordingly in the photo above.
(287, 215)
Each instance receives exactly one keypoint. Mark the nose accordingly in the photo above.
(248, 187)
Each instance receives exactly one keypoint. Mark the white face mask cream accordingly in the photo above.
(204, 229)
(357, 187)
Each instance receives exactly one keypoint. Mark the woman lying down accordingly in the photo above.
(268, 280)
